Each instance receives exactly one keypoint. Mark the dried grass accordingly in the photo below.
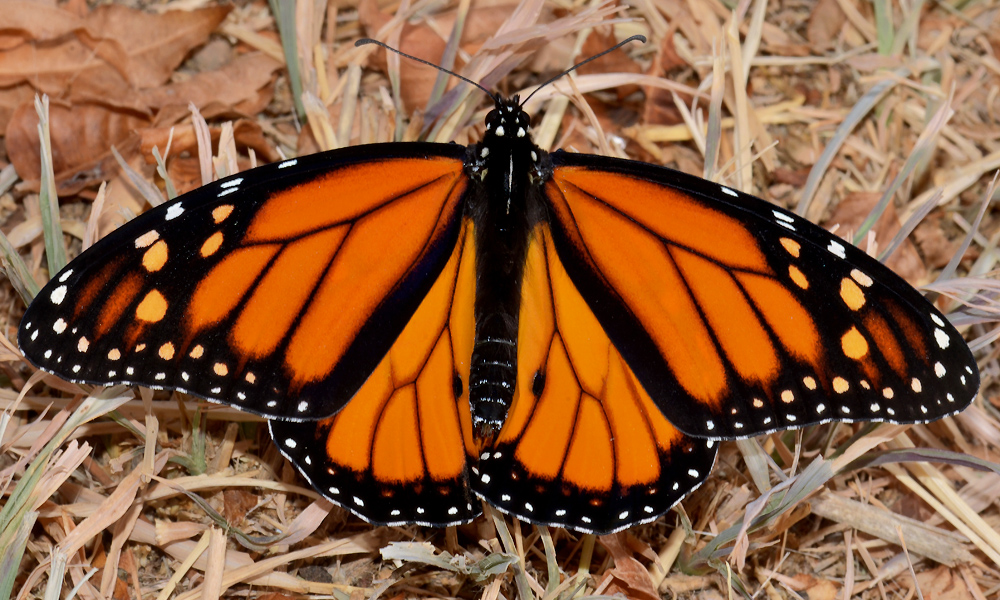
(113, 494)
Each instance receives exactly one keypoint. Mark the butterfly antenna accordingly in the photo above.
(365, 41)
(640, 38)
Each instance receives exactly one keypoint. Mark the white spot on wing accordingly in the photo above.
(837, 248)
(59, 326)
(726, 190)
(174, 211)
(288, 163)
(231, 183)
(68, 272)
(942, 339)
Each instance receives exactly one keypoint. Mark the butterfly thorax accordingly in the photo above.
(504, 168)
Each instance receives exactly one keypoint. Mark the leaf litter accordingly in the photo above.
(818, 106)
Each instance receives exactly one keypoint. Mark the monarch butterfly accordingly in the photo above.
(565, 336)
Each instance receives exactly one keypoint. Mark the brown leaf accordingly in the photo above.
(825, 22)
(236, 82)
(628, 577)
(934, 244)
(10, 99)
(943, 584)
(34, 21)
(156, 44)
(76, 60)
(613, 62)
(852, 212)
(82, 136)
(236, 503)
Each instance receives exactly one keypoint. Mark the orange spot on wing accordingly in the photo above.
(347, 193)
(590, 462)
(225, 285)
(152, 308)
(286, 287)
(854, 344)
(851, 294)
(791, 246)
(212, 244)
(396, 455)
(220, 213)
(155, 257)
(393, 238)
(798, 277)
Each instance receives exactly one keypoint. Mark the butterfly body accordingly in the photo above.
(505, 171)
(565, 336)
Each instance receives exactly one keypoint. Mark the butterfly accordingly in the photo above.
(562, 335)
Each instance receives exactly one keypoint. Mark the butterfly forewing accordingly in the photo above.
(740, 318)
(583, 445)
(397, 452)
(278, 291)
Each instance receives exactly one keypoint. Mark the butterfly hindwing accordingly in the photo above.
(397, 453)
(583, 445)
(741, 318)
(277, 290)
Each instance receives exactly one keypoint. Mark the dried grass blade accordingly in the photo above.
(861, 108)
(48, 199)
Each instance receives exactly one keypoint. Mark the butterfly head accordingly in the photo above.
(507, 121)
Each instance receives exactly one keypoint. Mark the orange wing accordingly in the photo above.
(583, 445)
(739, 318)
(278, 292)
(397, 453)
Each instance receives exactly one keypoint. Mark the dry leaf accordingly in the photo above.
(234, 83)
(613, 62)
(825, 22)
(628, 577)
(82, 137)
